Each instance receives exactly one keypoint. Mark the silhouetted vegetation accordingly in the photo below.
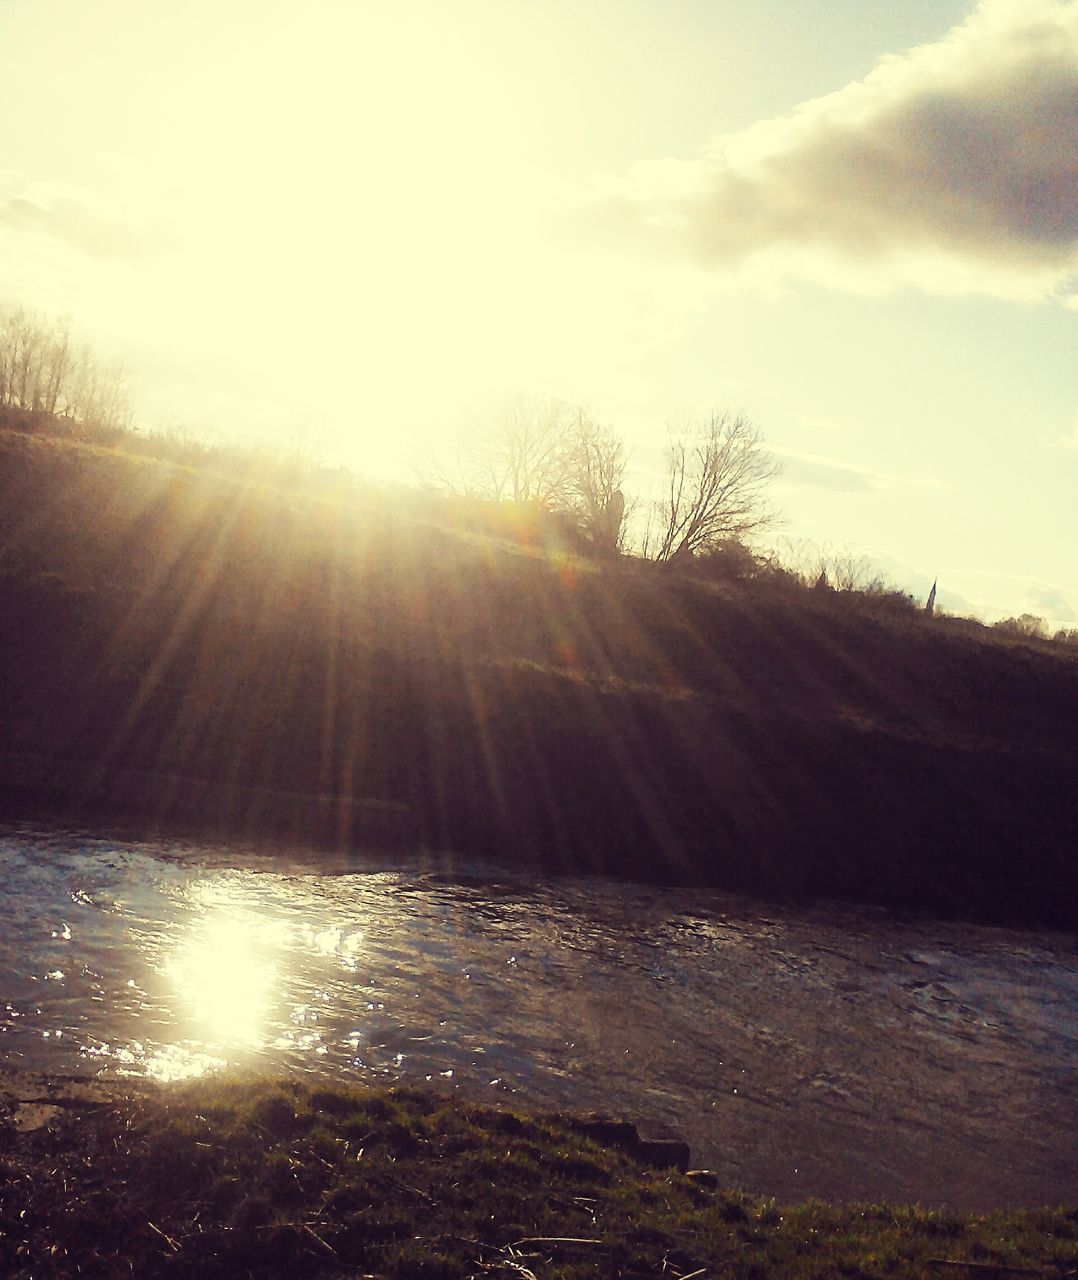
(543, 455)
(200, 636)
(293, 1180)
(716, 490)
(1027, 626)
(43, 373)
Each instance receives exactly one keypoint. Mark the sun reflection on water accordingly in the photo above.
(232, 975)
(167, 1064)
(227, 973)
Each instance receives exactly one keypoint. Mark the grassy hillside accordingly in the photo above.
(178, 644)
(262, 1180)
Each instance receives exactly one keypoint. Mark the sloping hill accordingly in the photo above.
(181, 645)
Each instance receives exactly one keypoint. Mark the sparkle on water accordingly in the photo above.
(225, 972)
(828, 1052)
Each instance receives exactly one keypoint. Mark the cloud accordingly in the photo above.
(76, 217)
(1005, 595)
(1067, 442)
(952, 168)
(841, 477)
(1051, 603)
(817, 473)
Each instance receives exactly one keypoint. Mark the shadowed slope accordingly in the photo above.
(181, 645)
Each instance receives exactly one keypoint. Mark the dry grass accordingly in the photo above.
(288, 1180)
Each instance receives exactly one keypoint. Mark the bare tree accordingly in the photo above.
(524, 454)
(541, 452)
(41, 373)
(58, 366)
(829, 568)
(717, 488)
(598, 465)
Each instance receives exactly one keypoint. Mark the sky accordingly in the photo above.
(358, 227)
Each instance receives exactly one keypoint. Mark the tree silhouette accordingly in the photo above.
(41, 372)
(717, 480)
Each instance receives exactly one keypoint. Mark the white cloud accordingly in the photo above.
(1068, 442)
(1051, 602)
(80, 219)
(825, 473)
(953, 168)
(1002, 595)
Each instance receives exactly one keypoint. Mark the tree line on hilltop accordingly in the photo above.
(545, 453)
(43, 371)
(540, 470)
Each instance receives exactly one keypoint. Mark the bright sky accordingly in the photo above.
(362, 223)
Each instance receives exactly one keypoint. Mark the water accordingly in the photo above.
(829, 1052)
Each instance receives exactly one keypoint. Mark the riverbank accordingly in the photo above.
(181, 648)
(282, 1178)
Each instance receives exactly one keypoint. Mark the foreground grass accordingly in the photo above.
(292, 1180)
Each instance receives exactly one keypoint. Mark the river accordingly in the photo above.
(827, 1051)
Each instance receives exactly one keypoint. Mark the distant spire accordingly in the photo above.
(930, 606)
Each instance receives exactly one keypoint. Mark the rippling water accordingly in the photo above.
(827, 1052)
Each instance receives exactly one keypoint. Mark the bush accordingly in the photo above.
(1027, 626)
